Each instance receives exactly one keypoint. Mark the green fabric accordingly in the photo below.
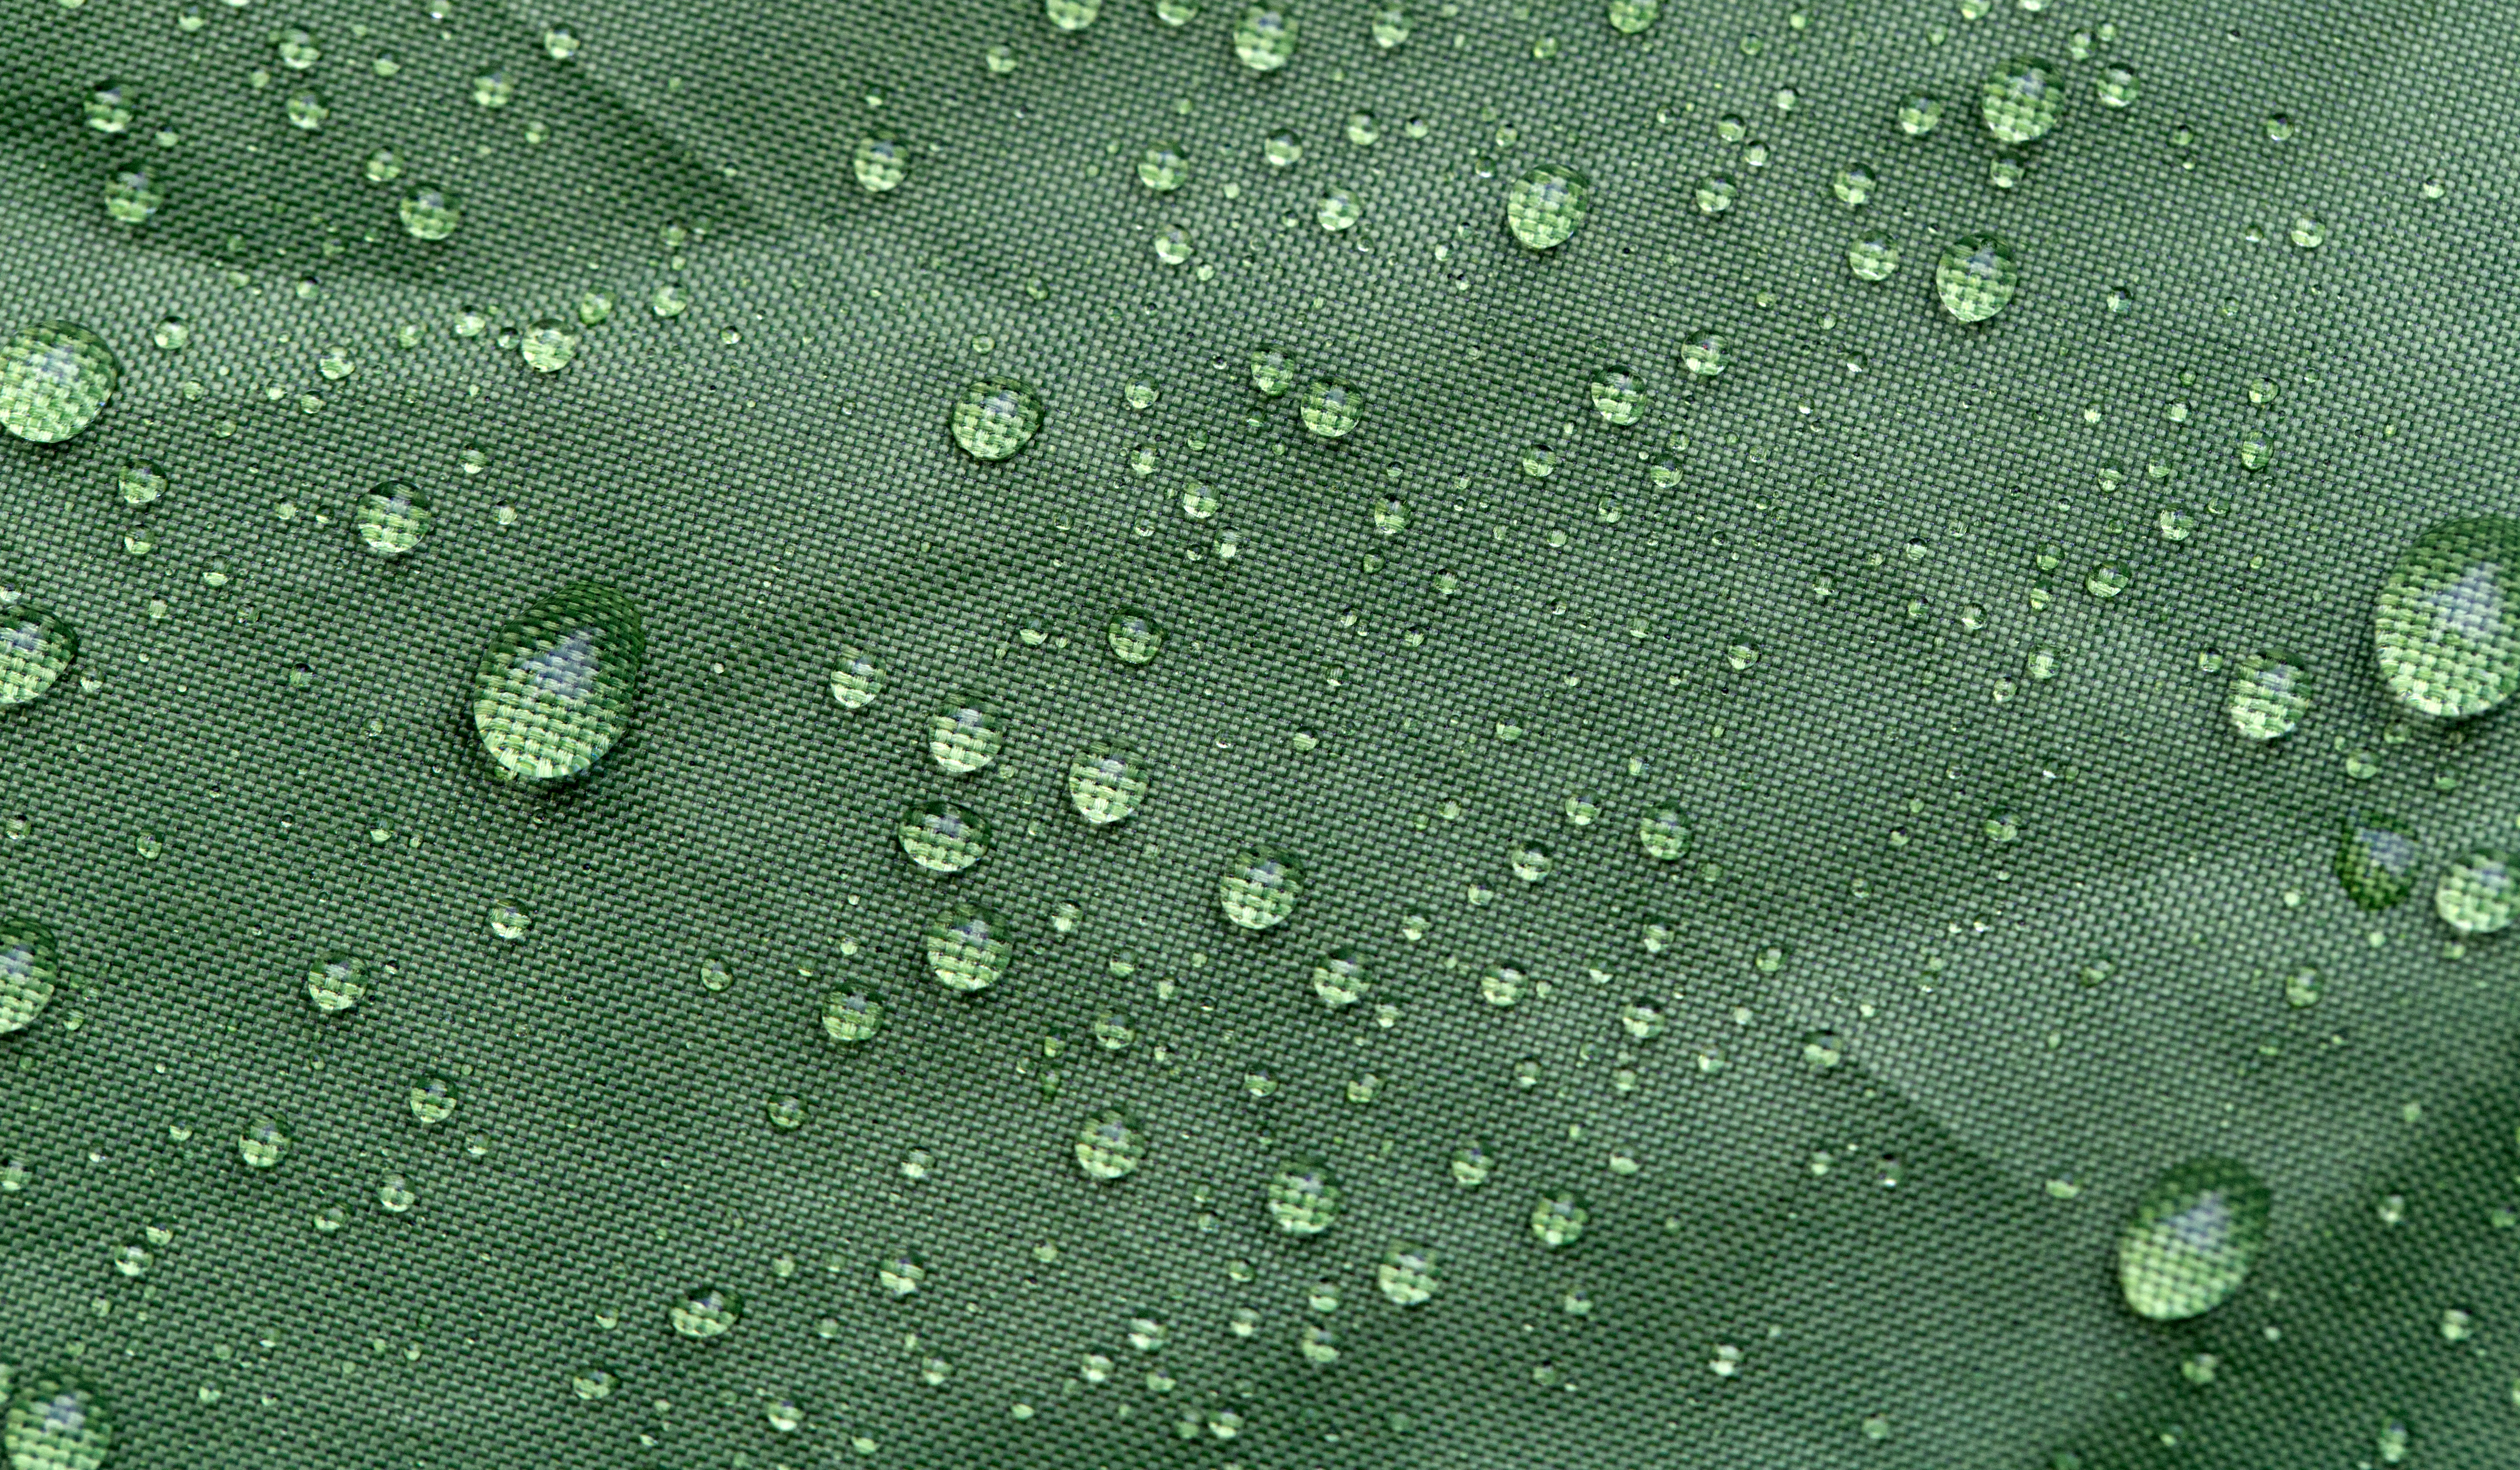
(265, 752)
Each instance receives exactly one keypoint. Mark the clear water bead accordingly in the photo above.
(554, 690)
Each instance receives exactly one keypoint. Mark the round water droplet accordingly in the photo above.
(1272, 372)
(1617, 396)
(943, 837)
(1304, 1196)
(55, 378)
(2268, 696)
(1340, 978)
(591, 1384)
(2116, 87)
(1176, 12)
(35, 647)
(1331, 408)
(337, 982)
(968, 948)
(1336, 211)
(264, 1143)
(2308, 233)
(547, 345)
(556, 687)
(2480, 893)
(1547, 205)
(2020, 99)
(1072, 15)
(510, 922)
(1664, 833)
(1390, 25)
(27, 973)
(1260, 887)
(1106, 781)
(852, 1013)
(1264, 39)
(1530, 861)
(1873, 257)
(432, 1101)
(1557, 1220)
(1162, 169)
(1282, 149)
(996, 417)
(1919, 113)
(2448, 624)
(1704, 355)
(1504, 985)
(1852, 184)
(880, 163)
(132, 196)
(705, 1314)
(1976, 277)
(1407, 1274)
(2375, 859)
(1539, 460)
(392, 518)
(2192, 1239)
(1110, 1146)
(1716, 193)
(56, 1423)
(1134, 636)
(109, 108)
(307, 108)
(431, 212)
(856, 679)
(964, 733)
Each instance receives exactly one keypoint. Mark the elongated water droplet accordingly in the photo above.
(2375, 859)
(36, 648)
(705, 1314)
(26, 961)
(556, 687)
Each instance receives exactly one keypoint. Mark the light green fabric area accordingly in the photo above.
(1819, 643)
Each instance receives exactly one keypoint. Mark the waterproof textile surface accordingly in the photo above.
(1960, 957)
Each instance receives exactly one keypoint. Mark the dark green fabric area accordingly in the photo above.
(769, 477)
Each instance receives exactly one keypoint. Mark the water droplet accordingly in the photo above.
(556, 687)
(547, 345)
(109, 108)
(1106, 781)
(668, 300)
(1198, 501)
(2116, 87)
(995, 417)
(392, 518)
(2268, 696)
(27, 972)
(1715, 194)
(1390, 25)
(1504, 985)
(298, 50)
(2019, 99)
(55, 378)
(1664, 833)
(1557, 1220)
(561, 42)
(2192, 1239)
(1547, 205)
(1264, 39)
(55, 1423)
(2308, 233)
(132, 196)
(2106, 581)
(1110, 1146)
(1336, 210)
(1704, 355)
(856, 679)
(968, 948)
(1331, 408)
(1617, 396)
(1072, 15)
(337, 982)
(1134, 636)
(36, 648)
(1919, 113)
(2375, 859)
(1873, 257)
(1304, 1196)
(1976, 277)
(1172, 245)
(1407, 1274)
(2447, 623)
(432, 1101)
(2480, 893)
(942, 837)
(964, 733)
(264, 1143)
(705, 1314)
(431, 212)
(1852, 184)
(1260, 887)
(1282, 149)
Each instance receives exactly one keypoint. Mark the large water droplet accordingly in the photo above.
(1331, 408)
(26, 959)
(263, 1143)
(1664, 833)
(707, 1313)
(1873, 257)
(856, 679)
(1340, 979)
(2019, 100)
(55, 378)
(431, 212)
(1072, 15)
(1976, 277)
(555, 689)
(853, 1013)
(1106, 781)
(1110, 1146)
(943, 837)
(2192, 1239)
(392, 518)
(2375, 859)
(1557, 1220)
(1407, 1274)
(964, 733)
(1617, 396)
(1629, 16)
(2479, 893)
(55, 1423)
(2268, 696)
(1260, 887)
(968, 948)
(431, 1100)
(996, 417)
(1272, 373)
(880, 163)
(1134, 636)
(35, 647)
(1547, 205)
(132, 196)
(2448, 626)
(1264, 39)
(1304, 1196)
(109, 108)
